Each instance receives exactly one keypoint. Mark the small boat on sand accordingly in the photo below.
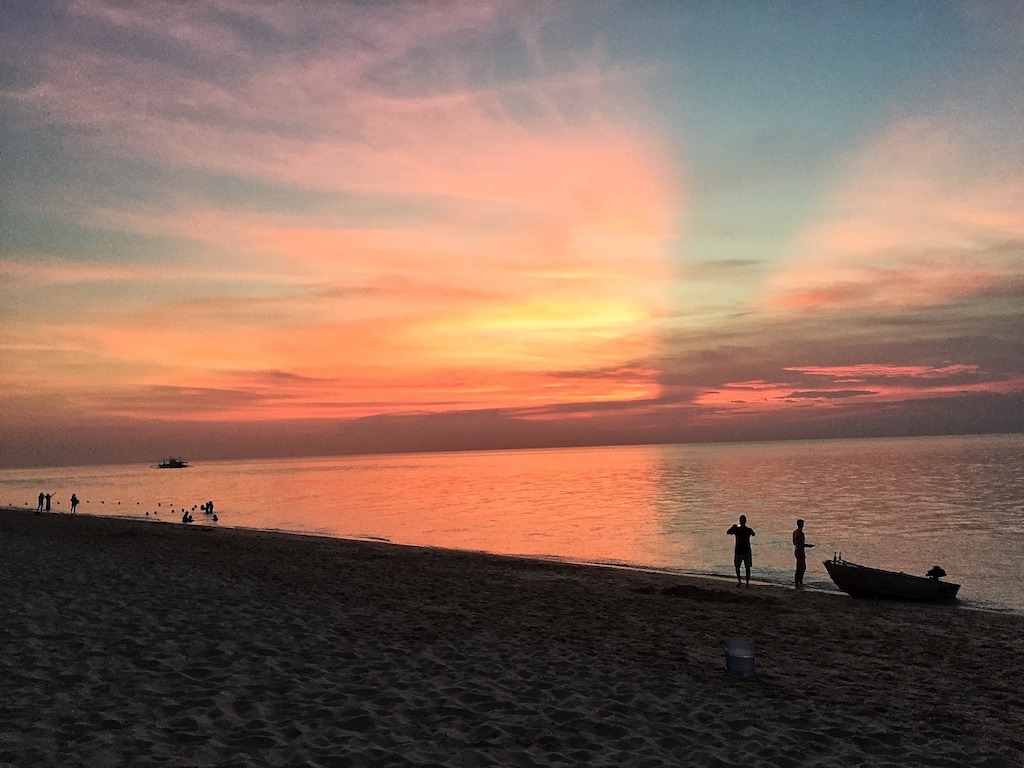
(172, 463)
(862, 581)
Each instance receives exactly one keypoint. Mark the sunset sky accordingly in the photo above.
(233, 228)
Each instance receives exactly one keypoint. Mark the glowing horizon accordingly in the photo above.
(614, 223)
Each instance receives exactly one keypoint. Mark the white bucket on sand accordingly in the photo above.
(740, 657)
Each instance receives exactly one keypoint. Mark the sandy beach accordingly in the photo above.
(139, 643)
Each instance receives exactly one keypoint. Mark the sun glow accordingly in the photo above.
(462, 224)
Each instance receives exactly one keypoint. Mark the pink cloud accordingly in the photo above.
(325, 119)
(40, 270)
(538, 241)
(828, 388)
(923, 219)
(866, 371)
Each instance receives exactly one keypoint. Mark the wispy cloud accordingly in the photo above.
(268, 211)
(836, 386)
(521, 214)
(867, 372)
(924, 220)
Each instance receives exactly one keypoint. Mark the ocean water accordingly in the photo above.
(902, 504)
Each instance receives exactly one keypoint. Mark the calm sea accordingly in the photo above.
(903, 504)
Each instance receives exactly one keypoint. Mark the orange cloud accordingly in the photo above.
(510, 238)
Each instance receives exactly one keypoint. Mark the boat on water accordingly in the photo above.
(862, 581)
(172, 463)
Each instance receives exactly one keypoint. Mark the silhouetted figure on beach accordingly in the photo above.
(186, 517)
(42, 498)
(742, 553)
(74, 503)
(799, 545)
(48, 497)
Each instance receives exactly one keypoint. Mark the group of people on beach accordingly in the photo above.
(46, 505)
(743, 555)
(46, 501)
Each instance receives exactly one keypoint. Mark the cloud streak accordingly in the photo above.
(499, 214)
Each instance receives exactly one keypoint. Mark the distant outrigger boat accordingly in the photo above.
(862, 581)
(172, 463)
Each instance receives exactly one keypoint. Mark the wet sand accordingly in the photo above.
(142, 643)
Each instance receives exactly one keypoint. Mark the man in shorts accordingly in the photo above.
(742, 554)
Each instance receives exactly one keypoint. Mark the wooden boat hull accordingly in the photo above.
(862, 581)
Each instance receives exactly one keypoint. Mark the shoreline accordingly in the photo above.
(129, 643)
(712, 579)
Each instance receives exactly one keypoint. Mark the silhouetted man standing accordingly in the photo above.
(742, 553)
(799, 545)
